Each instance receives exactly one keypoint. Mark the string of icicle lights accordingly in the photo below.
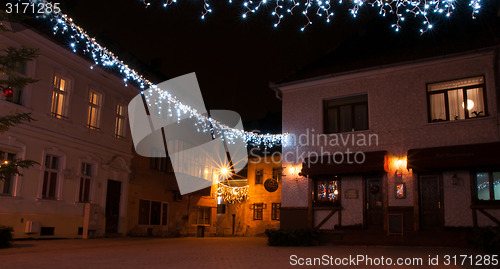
(324, 9)
(80, 41)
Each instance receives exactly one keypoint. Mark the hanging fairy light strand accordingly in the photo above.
(324, 9)
(82, 42)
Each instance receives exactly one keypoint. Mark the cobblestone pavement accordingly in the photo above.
(208, 253)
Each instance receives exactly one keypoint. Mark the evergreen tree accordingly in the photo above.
(10, 59)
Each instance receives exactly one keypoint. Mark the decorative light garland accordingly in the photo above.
(80, 40)
(324, 9)
(485, 185)
(232, 195)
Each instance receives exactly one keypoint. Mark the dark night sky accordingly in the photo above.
(234, 58)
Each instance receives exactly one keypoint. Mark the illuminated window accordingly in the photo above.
(446, 99)
(258, 211)
(50, 177)
(7, 182)
(94, 113)
(488, 186)
(275, 211)
(327, 191)
(346, 114)
(85, 183)
(60, 96)
(120, 121)
(152, 212)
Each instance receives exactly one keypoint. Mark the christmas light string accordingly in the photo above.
(324, 9)
(232, 195)
(79, 40)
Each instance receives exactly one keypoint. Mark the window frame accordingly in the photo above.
(207, 215)
(261, 176)
(475, 193)
(120, 121)
(163, 216)
(336, 203)
(66, 93)
(12, 177)
(258, 211)
(464, 96)
(46, 194)
(345, 101)
(84, 177)
(275, 211)
(92, 107)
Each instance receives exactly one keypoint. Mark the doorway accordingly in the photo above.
(113, 206)
(431, 205)
(374, 204)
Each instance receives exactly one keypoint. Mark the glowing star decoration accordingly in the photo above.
(324, 10)
(80, 41)
(232, 195)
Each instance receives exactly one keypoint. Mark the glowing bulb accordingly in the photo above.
(223, 171)
(292, 170)
(470, 104)
(399, 162)
(336, 192)
(206, 171)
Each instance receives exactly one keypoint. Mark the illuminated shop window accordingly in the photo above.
(488, 186)
(327, 191)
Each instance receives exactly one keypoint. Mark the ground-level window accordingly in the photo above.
(457, 99)
(275, 211)
(7, 182)
(85, 182)
(152, 213)
(258, 211)
(50, 176)
(326, 191)
(202, 216)
(488, 185)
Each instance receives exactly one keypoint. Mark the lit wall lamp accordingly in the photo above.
(294, 172)
(399, 170)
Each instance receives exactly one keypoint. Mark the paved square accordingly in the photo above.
(209, 253)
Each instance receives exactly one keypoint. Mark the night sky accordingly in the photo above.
(234, 58)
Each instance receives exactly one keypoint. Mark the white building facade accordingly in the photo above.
(80, 139)
(427, 155)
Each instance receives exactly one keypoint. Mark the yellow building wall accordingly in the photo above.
(66, 226)
(244, 224)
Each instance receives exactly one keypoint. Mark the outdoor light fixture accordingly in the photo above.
(223, 171)
(399, 171)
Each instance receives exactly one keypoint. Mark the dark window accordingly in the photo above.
(259, 174)
(277, 173)
(164, 214)
(488, 185)
(150, 213)
(50, 176)
(7, 183)
(202, 216)
(47, 230)
(326, 191)
(258, 210)
(144, 212)
(346, 114)
(161, 164)
(85, 180)
(80, 230)
(447, 99)
(221, 209)
(275, 211)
